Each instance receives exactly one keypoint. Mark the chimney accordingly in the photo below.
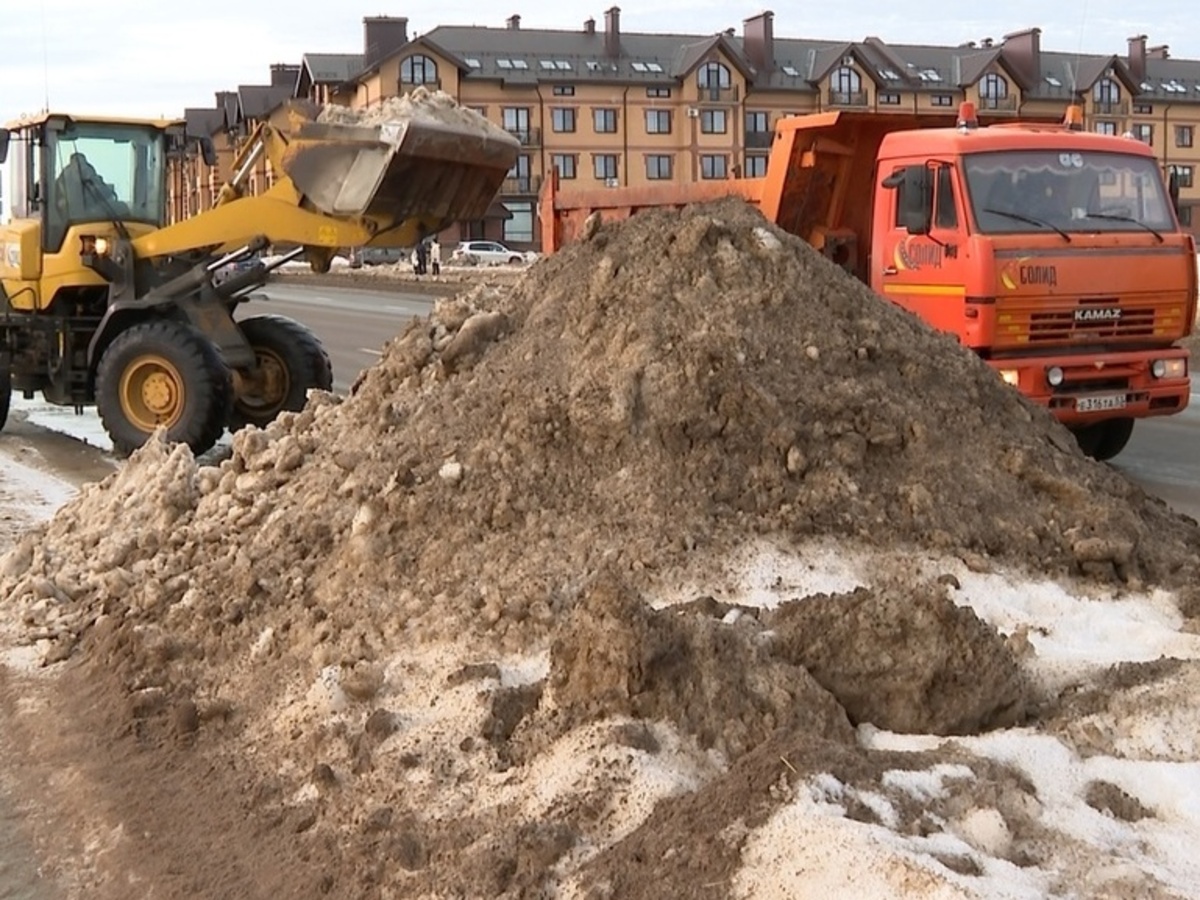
(513, 23)
(612, 31)
(589, 26)
(1137, 56)
(284, 75)
(381, 36)
(1023, 52)
(758, 37)
(1162, 51)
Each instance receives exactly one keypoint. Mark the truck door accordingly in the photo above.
(923, 272)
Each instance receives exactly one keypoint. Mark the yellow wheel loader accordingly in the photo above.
(104, 304)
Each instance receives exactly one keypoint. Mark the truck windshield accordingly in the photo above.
(1066, 191)
(103, 172)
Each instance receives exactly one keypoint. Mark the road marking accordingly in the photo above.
(369, 350)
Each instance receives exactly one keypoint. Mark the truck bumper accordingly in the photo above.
(1094, 387)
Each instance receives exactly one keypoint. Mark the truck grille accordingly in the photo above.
(1021, 324)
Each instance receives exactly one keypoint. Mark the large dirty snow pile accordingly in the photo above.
(484, 628)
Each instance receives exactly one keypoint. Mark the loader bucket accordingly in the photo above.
(416, 168)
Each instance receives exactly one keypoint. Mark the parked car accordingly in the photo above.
(489, 253)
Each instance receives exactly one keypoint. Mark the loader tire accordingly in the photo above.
(5, 394)
(163, 373)
(291, 362)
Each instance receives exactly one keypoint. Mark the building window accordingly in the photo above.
(941, 100)
(713, 121)
(658, 121)
(605, 121)
(845, 80)
(564, 90)
(1143, 109)
(562, 119)
(756, 165)
(604, 166)
(482, 110)
(1107, 92)
(1183, 135)
(713, 76)
(658, 166)
(1183, 173)
(758, 122)
(418, 70)
(993, 87)
(519, 228)
(1106, 128)
(714, 165)
(660, 92)
(1185, 216)
(516, 122)
(565, 163)
(889, 99)
(518, 176)
(1144, 132)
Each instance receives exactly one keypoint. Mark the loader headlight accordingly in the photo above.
(90, 245)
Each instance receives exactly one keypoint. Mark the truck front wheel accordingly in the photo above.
(163, 373)
(1104, 440)
(291, 361)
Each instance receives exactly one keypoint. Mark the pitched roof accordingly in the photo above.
(330, 68)
(1174, 80)
(203, 122)
(256, 100)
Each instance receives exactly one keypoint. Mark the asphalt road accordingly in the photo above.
(353, 323)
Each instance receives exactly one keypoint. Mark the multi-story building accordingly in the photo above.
(605, 107)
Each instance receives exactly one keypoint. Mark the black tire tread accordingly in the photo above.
(316, 371)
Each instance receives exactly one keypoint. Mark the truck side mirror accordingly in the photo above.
(208, 152)
(914, 203)
(4, 138)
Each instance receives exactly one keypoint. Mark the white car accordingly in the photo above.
(489, 253)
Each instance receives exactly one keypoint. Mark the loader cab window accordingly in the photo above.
(99, 172)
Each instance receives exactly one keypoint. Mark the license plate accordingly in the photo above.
(1097, 404)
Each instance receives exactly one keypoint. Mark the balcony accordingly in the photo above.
(1111, 107)
(847, 98)
(430, 84)
(529, 137)
(521, 185)
(759, 140)
(718, 94)
(997, 104)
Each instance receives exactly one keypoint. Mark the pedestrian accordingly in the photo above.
(422, 257)
(435, 256)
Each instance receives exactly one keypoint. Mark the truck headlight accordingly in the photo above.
(1054, 376)
(1011, 376)
(1168, 368)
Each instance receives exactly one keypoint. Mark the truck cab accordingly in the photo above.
(1054, 253)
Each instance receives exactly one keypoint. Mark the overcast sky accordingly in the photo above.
(150, 58)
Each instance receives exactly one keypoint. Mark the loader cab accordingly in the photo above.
(67, 171)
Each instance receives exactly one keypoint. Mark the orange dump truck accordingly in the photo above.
(1054, 253)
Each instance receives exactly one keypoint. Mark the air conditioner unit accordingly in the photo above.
(693, 112)
(611, 182)
(847, 60)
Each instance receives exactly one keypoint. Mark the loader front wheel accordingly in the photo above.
(163, 373)
(291, 361)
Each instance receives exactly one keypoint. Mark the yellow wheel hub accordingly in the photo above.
(268, 387)
(152, 392)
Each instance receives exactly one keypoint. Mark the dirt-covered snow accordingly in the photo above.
(683, 566)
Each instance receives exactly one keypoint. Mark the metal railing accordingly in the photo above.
(759, 140)
(847, 98)
(719, 94)
(998, 104)
(525, 184)
(529, 137)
